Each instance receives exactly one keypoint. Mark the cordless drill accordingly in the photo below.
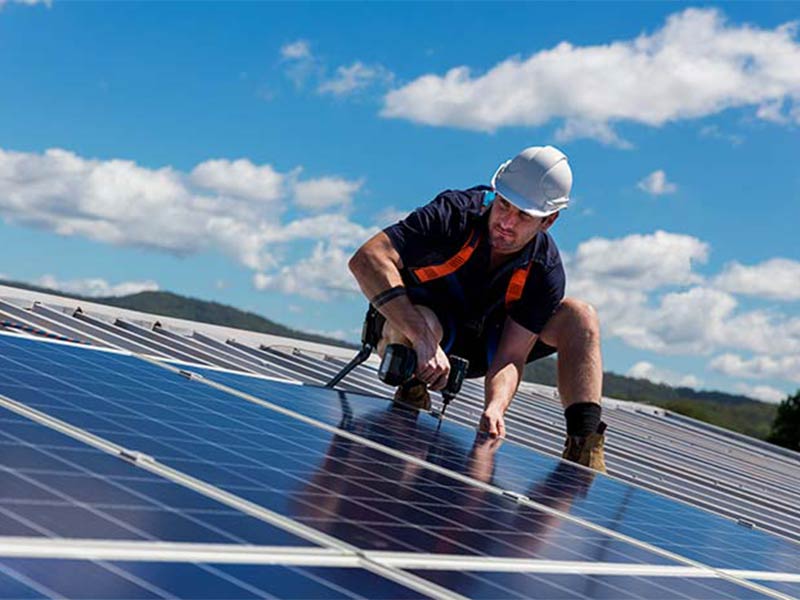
(400, 362)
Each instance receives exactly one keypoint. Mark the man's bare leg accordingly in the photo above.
(575, 331)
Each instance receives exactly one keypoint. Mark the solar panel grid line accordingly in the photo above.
(15, 324)
(124, 339)
(736, 485)
(176, 476)
(109, 337)
(709, 445)
(712, 503)
(45, 591)
(655, 481)
(74, 319)
(695, 432)
(214, 357)
(315, 367)
(741, 441)
(138, 499)
(143, 337)
(457, 476)
(174, 346)
(634, 440)
(274, 362)
(183, 366)
(737, 446)
(252, 363)
(37, 321)
(412, 581)
(737, 513)
(658, 434)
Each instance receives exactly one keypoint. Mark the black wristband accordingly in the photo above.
(386, 295)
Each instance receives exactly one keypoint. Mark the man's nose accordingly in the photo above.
(508, 221)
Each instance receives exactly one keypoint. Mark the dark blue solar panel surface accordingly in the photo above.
(357, 494)
(55, 486)
(87, 579)
(616, 505)
(489, 585)
(790, 588)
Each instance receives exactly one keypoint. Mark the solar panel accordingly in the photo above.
(492, 585)
(621, 507)
(382, 483)
(54, 486)
(295, 469)
(37, 578)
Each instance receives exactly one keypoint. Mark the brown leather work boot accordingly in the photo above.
(413, 394)
(587, 451)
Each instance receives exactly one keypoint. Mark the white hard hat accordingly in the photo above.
(537, 180)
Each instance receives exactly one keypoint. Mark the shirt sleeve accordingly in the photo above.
(544, 291)
(430, 229)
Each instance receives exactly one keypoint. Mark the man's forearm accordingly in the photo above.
(376, 273)
(500, 386)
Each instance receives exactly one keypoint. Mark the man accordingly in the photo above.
(476, 274)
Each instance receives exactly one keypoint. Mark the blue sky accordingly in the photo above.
(240, 152)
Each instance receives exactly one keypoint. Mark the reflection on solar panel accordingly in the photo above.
(122, 477)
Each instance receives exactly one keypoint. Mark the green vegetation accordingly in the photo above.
(737, 413)
(786, 427)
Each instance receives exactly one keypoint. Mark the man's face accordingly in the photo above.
(510, 229)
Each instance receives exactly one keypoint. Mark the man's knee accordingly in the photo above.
(572, 319)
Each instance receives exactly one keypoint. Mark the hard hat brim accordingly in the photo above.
(553, 206)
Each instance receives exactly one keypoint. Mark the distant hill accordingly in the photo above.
(173, 305)
(738, 413)
(735, 412)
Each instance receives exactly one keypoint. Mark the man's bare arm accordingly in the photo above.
(376, 266)
(504, 375)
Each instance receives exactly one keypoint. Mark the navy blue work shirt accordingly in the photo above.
(475, 294)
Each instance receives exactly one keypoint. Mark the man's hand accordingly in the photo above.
(433, 367)
(492, 422)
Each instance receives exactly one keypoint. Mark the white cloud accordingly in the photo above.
(764, 393)
(325, 193)
(656, 184)
(296, 50)
(776, 279)
(322, 276)
(239, 178)
(696, 65)
(646, 370)
(758, 367)
(624, 279)
(355, 77)
(573, 129)
(299, 61)
(640, 261)
(229, 206)
(96, 287)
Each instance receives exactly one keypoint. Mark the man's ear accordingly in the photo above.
(549, 220)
